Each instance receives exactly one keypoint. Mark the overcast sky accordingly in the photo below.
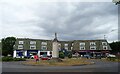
(71, 20)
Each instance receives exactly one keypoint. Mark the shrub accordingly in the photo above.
(69, 55)
(61, 55)
(12, 59)
(111, 58)
(19, 59)
(7, 59)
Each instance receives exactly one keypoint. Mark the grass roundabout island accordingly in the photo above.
(64, 62)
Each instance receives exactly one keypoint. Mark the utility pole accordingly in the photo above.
(104, 37)
(109, 33)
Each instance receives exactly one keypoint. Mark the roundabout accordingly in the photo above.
(62, 62)
(99, 66)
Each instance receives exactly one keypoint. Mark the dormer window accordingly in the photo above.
(20, 46)
(92, 43)
(32, 42)
(32, 47)
(93, 48)
(105, 47)
(82, 44)
(44, 43)
(66, 45)
(104, 43)
(82, 48)
(21, 42)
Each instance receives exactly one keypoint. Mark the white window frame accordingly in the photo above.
(71, 48)
(66, 48)
(106, 47)
(43, 47)
(66, 44)
(82, 48)
(43, 43)
(21, 42)
(104, 43)
(92, 47)
(72, 44)
(32, 42)
(92, 43)
(20, 46)
(82, 43)
(32, 46)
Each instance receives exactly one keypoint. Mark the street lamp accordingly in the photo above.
(110, 32)
(104, 37)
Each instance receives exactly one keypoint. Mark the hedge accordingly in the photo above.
(111, 58)
(12, 59)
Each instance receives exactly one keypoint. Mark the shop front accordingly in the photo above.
(18, 54)
(31, 53)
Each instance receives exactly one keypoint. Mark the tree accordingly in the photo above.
(61, 55)
(69, 55)
(7, 45)
(115, 46)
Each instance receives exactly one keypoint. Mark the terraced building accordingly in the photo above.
(25, 47)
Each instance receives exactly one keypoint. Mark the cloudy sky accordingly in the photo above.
(38, 19)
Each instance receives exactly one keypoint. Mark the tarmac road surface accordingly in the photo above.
(99, 66)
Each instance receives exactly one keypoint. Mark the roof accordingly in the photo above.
(55, 39)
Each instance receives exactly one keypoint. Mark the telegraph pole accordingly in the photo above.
(104, 37)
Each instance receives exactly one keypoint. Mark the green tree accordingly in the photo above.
(8, 45)
(115, 46)
(61, 55)
(69, 55)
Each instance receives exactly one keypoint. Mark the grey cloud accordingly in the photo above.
(84, 20)
(79, 23)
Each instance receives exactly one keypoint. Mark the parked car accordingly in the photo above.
(32, 57)
(45, 57)
(98, 57)
(111, 55)
(87, 56)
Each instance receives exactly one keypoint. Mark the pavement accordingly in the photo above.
(99, 66)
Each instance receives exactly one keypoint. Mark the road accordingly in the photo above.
(99, 66)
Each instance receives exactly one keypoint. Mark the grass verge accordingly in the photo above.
(66, 62)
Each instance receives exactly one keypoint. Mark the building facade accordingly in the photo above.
(25, 47)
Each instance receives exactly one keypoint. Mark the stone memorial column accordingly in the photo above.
(55, 47)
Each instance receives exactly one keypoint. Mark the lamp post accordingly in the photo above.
(104, 37)
(109, 33)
